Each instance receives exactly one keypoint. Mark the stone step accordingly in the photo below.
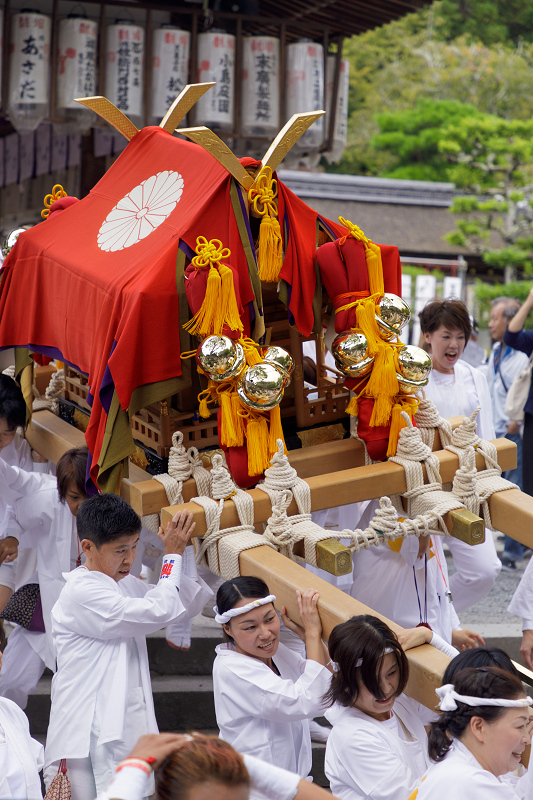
(181, 703)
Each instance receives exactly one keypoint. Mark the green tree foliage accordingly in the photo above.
(485, 293)
(489, 21)
(412, 59)
(492, 159)
(414, 135)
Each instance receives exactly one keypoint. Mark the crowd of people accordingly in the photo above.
(70, 587)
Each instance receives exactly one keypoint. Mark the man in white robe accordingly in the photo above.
(101, 693)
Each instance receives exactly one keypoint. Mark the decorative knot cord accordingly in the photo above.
(182, 464)
(52, 393)
(219, 550)
(428, 499)
(472, 487)
(428, 420)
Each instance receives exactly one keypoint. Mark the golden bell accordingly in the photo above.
(220, 358)
(350, 351)
(261, 386)
(392, 314)
(282, 359)
(414, 366)
(11, 239)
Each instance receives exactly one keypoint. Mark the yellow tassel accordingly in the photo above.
(257, 445)
(238, 418)
(270, 254)
(203, 322)
(396, 424)
(353, 407)
(382, 386)
(203, 409)
(252, 354)
(275, 431)
(366, 321)
(229, 422)
(229, 312)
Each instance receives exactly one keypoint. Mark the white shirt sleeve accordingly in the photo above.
(522, 601)
(16, 482)
(97, 610)
(271, 697)
(274, 782)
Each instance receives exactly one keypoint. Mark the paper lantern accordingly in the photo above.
(305, 90)
(216, 62)
(170, 69)
(125, 69)
(260, 86)
(76, 74)
(340, 131)
(29, 64)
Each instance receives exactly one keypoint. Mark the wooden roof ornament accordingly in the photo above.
(214, 145)
(183, 104)
(111, 114)
(284, 141)
(177, 111)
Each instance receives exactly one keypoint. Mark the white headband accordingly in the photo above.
(224, 618)
(448, 696)
(384, 653)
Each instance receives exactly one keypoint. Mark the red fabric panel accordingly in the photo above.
(343, 274)
(237, 461)
(299, 262)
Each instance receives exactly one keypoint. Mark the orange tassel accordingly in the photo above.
(257, 445)
(270, 252)
(275, 431)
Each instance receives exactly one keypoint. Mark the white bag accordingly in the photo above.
(519, 392)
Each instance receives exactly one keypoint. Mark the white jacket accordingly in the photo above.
(266, 715)
(93, 622)
(366, 758)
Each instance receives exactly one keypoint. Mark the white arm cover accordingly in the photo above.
(128, 784)
(171, 569)
(445, 647)
(188, 563)
(274, 782)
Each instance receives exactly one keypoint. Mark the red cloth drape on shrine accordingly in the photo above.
(117, 309)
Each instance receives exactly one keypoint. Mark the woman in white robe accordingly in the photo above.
(457, 389)
(265, 694)
(474, 744)
(378, 746)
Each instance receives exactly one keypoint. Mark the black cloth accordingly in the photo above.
(523, 341)
(527, 451)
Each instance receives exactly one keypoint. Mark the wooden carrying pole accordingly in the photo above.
(361, 483)
(283, 577)
(51, 436)
(149, 497)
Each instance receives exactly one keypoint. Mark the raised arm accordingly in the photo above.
(518, 321)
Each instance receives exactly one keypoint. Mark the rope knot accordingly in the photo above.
(222, 485)
(280, 475)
